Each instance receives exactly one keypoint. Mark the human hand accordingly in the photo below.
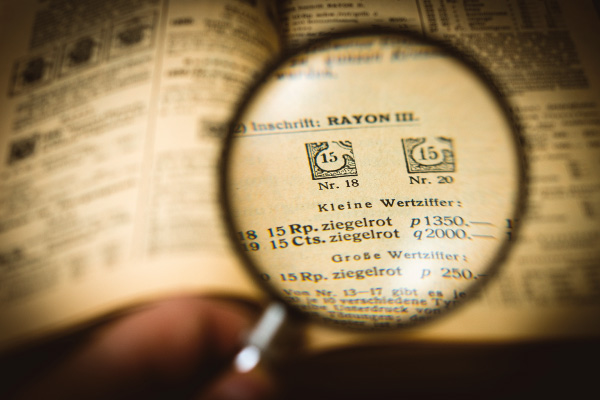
(176, 349)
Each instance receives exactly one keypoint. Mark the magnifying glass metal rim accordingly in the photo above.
(468, 61)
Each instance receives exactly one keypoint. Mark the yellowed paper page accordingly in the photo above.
(110, 125)
(547, 61)
(111, 115)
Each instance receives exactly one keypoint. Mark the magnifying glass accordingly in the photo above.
(371, 181)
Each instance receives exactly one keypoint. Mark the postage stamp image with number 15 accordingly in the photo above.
(429, 155)
(332, 159)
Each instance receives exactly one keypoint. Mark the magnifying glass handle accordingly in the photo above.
(261, 343)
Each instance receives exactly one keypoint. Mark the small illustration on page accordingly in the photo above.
(133, 34)
(429, 154)
(33, 71)
(22, 149)
(83, 52)
(331, 159)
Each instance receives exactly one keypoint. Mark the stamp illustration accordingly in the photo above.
(22, 149)
(429, 155)
(133, 34)
(83, 52)
(33, 71)
(331, 159)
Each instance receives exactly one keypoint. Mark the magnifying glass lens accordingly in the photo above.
(370, 181)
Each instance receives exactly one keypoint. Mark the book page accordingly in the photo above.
(545, 56)
(111, 117)
(111, 124)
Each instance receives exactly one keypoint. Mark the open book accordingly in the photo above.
(112, 116)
